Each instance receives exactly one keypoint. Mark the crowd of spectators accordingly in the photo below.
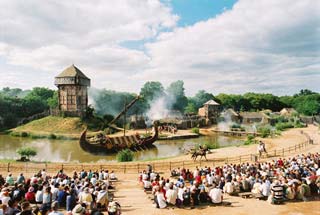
(284, 179)
(86, 192)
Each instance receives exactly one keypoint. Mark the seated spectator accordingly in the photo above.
(113, 176)
(147, 185)
(102, 198)
(86, 197)
(114, 208)
(277, 193)
(303, 191)
(78, 210)
(30, 195)
(290, 192)
(159, 198)
(171, 195)
(215, 195)
(229, 188)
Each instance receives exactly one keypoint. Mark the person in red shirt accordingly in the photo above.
(30, 195)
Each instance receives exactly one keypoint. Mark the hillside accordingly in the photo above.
(51, 125)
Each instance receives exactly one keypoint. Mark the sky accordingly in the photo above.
(221, 46)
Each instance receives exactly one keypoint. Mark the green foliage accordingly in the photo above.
(52, 136)
(125, 155)
(195, 130)
(24, 134)
(151, 90)
(265, 131)
(53, 101)
(27, 152)
(208, 145)
(237, 127)
(17, 104)
(199, 99)
(109, 102)
(191, 108)
(281, 126)
(250, 140)
(176, 91)
(308, 106)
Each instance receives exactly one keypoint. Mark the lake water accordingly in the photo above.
(70, 150)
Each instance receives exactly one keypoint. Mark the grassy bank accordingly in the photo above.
(51, 127)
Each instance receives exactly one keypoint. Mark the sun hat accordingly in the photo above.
(78, 209)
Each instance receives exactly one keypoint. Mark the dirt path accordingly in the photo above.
(132, 198)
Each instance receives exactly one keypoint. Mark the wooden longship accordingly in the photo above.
(106, 144)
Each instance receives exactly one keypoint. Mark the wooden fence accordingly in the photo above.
(28, 168)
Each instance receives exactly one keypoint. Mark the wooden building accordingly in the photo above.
(211, 111)
(72, 91)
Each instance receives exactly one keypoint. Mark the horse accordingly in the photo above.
(201, 153)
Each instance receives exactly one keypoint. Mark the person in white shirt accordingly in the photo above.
(55, 190)
(228, 188)
(216, 194)
(265, 188)
(93, 180)
(171, 195)
(161, 201)
(147, 185)
(210, 179)
(113, 175)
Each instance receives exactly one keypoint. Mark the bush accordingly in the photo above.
(281, 126)
(208, 145)
(264, 131)
(235, 126)
(24, 134)
(298, 124)
(250, 140)
(125, 155)
(195, 130)
(27, 152)
(52, 136)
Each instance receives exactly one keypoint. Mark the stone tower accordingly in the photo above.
(72, 91)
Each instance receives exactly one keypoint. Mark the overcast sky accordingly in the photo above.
(217, 45)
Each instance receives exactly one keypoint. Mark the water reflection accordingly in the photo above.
(70, 151)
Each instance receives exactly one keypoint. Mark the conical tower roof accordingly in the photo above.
(72, 76)
(72, 71)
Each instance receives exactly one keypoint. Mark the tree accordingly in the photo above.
(26, 152)
(150, 92)
(190, 108)
(41, 92)
(53, 101)
(176, 93)
(200, 98)
(308, 107)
